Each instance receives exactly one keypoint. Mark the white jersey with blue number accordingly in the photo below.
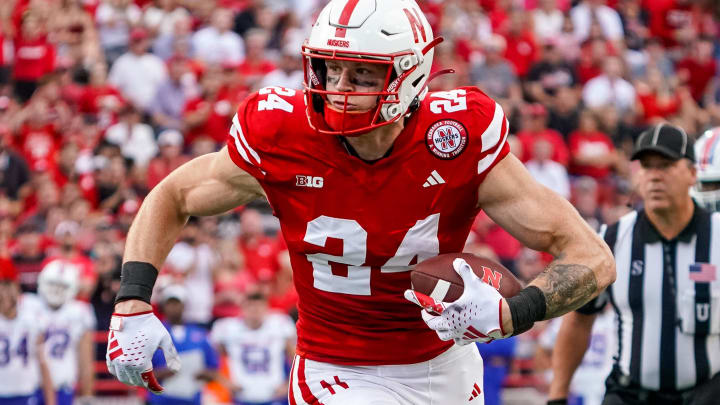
(65, 328)
(256, 357)
(19, 370)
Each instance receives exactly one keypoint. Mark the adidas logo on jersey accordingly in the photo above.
(433, 179)
(475, 393)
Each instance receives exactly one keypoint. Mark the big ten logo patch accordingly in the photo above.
(309, 181)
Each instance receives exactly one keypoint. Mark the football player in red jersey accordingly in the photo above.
(369, 173)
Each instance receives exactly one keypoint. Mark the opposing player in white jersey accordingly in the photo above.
(70, 325)
(707, 152)
(259, 347)
(23, 369)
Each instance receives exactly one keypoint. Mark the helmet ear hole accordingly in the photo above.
(414, 105)
(318, 104)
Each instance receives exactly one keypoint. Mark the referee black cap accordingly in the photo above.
(666, 139)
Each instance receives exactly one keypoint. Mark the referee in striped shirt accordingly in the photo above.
(667, 293)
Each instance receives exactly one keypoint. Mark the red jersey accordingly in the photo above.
(34, 58)
(591, 144)
(353, 229)
(217, 121)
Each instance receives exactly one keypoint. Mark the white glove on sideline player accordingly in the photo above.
(475, 317)
(132, 341)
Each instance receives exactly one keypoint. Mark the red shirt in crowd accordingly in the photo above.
(666, 16)
(656, 107)
(521, 51)
(160, 167)
(560, 150)
(254, 70)
(590, 144)
(261, 257)
(33, 58)
(94, 99)
(699, 75)
(217, 123)
(38, 145)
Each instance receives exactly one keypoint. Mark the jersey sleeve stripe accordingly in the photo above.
(254, 154)
(492, 134)
(488, 160)
(238, 147)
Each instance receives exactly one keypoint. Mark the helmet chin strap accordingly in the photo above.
(347, 121)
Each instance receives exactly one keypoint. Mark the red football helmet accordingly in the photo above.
(393, 33)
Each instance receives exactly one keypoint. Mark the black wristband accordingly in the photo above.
(527, 307)
(136, 281)
(562, 401)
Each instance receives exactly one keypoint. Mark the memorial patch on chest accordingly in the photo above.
(446, 139)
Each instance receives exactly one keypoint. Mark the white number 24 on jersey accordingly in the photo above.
(421, 240)
(450, 101)
(273, 100)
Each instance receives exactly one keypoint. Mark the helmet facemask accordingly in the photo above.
(330, 119)
(707, 194)
(56, 293)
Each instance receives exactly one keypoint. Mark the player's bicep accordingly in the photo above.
(211, 184)
(530, 212)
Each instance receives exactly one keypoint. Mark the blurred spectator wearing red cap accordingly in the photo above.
(137, 73)
(171, 143)
(535, 128)
(34, 56)
(217, 43)
(100, 98)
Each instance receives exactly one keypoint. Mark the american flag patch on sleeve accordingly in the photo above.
(703, 272)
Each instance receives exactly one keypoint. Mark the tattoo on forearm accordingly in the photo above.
(566, 287)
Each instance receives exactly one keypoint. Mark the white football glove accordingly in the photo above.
(475, 317)
(132, 341)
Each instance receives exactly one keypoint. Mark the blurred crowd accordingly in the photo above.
(101, 99)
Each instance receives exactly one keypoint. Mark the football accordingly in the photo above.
(437, 278)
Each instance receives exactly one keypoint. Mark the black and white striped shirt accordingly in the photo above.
(667, 301)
